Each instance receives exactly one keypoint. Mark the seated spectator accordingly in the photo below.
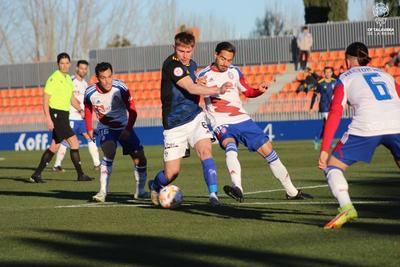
(310, 82)
(395, 61)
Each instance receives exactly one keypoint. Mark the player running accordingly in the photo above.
(232, 124)
(75, 118)
(111, 102)
(183, 120)
(374, 96)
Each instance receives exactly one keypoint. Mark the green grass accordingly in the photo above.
(36, 227)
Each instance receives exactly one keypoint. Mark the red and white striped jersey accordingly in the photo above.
(374, 97)
(227, 108)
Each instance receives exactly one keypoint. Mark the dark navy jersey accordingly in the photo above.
(325, 89)
(178, 105)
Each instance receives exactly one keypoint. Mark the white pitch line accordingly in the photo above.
(319, 203)
(103, 205)
(281, 189)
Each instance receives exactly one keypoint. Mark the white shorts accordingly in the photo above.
(176, 139)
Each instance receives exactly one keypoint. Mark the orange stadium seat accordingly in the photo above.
(388, 51)
(324, 56)
(286, 87)
(281, 68)
(379, 52)
(272, 68)
(255, 69)
(263, 69)
(314, 57)
(300, 76)
(246, 70)
(333, 55)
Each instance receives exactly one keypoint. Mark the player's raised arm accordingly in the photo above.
(196, 89)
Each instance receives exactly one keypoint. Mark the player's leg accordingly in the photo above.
(392, 142)
(133, 147)
(280, 172)
(349, 150)
(109, 148)
(93, 150)
(175, 144)
(340, 190)
(200, 138)
(228, 141)
(60, 156)
(76, 158)
(36, 177)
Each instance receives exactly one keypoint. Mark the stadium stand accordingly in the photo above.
(16, 103)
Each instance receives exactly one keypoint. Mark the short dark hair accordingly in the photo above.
(103, 66)
(82, 61)
(61, 56)
(328, 68)
(305, 27)
(227, 46)
(186, 38)
(360, 51)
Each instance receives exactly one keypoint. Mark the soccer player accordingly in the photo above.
(232, 124)
(325, 89)
(57, 100)
(115, 109)
(374, 96)
(75, 118)
(183, 120)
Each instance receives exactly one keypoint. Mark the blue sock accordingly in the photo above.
(271, 157)
(159, 181)
(210, 175)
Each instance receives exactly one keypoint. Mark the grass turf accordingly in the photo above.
(52, 224)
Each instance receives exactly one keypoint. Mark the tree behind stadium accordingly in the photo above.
(323, 10)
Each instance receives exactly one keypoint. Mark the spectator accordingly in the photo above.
(295, 52)
(395, 61)
(310, 82)
(304, 43)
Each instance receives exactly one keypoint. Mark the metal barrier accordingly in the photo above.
(327, 36)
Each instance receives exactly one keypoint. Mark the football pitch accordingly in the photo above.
(53, 224)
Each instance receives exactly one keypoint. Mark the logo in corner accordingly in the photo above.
(380, 11)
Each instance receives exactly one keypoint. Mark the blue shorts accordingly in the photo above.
(78, 126)
(247, 133)
(128, 146)
(352, 148)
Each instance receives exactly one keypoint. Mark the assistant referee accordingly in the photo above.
(57, 100)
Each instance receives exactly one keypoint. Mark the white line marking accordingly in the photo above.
(319, 203)
(281, 189)
(104, 205)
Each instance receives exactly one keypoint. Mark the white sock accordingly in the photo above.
(94, 152)
(140, 173)
(105, 174)
(60, 155)
(338, 185)
(213, 195)
(234, 168)
(280, 172)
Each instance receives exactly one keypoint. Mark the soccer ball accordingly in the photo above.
(170, 197)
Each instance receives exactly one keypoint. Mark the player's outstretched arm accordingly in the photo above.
(196, 89)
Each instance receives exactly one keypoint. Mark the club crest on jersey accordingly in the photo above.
(178, 71)
(230, 75)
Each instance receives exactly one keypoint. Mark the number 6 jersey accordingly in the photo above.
(374, 98)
